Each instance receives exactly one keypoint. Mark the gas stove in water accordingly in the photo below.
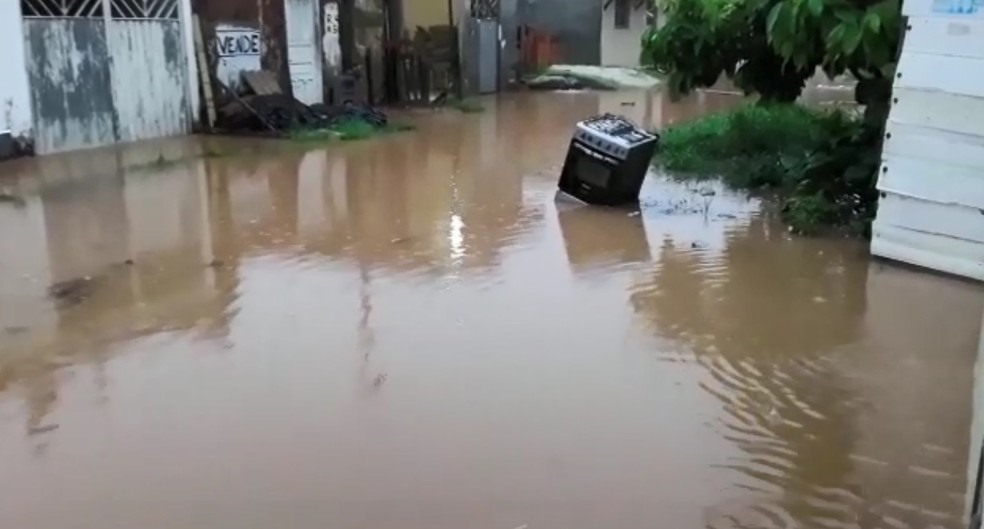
(607, 160)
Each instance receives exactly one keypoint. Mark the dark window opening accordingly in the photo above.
(623, 12)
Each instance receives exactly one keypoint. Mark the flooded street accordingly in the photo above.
(409, 332)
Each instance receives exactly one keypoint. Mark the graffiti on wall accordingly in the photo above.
(330, 41)
(238, 49)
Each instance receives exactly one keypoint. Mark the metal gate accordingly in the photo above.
(488, 56)
(104, 71)
(302, 51)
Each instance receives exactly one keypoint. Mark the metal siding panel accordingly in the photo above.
(488, 56)
(931, 211)
(937, 110)
(933, 144)
(945, 36)
(947, 220)
(933, 181)
(939, 8)
(149, 78)
(70, 81)
(933, 165)
(953, 256)
(945, 73)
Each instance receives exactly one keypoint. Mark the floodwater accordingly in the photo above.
(411, 332)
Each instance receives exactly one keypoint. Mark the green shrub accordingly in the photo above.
(748, 146)
(823, 163)
(353, 129)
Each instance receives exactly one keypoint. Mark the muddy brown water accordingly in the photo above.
(410, 332)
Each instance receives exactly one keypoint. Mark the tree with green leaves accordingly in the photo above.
(771, 48)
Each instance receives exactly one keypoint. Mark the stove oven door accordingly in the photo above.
(590, 175)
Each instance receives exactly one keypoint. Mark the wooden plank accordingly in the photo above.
(204, 74)
(262, 82)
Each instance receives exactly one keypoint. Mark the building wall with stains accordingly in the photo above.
(15, 95)
(222, 19)
(621, 46)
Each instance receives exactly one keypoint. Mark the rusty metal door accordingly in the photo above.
(103, 71)
(302, 51)
(69, 74)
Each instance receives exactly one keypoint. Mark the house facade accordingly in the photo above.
(623, 23)
(81, 73)
(88, 73)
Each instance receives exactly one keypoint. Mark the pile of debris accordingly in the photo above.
(268, 110)
(280, 113)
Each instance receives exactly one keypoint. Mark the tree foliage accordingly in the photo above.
(772, 47)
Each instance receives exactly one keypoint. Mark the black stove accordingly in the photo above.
(607, 160)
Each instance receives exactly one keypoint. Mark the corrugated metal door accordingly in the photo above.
(302, 52)
(488, 56)
(69, 75)
(149, 69)
(103, 71)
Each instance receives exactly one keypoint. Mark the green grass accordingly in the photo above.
(750, 146)
(822, 163)
(350, 130)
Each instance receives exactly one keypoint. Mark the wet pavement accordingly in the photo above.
(410, 332)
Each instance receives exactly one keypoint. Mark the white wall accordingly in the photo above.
(15, 96)
(621, 47)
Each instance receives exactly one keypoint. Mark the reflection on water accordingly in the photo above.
(410, 332)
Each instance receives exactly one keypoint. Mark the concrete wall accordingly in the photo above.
(621, 47)
(575, 24)
(15, 96)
